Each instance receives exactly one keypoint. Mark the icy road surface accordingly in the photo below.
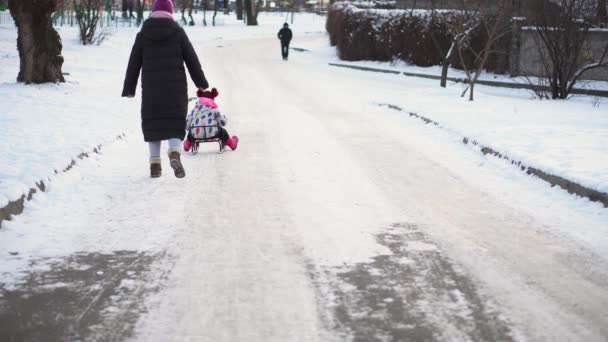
(335, 220)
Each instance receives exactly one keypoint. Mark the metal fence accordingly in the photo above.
(68, 18)
(111, 19)
(108, 19)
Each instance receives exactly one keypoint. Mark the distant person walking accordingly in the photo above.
(285, 36)
(160, 50)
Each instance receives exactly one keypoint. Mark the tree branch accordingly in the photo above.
(587, 67)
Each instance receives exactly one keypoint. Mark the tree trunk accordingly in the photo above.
(87, 15)
(601, 10)
(239, 9)
(190, 9)
(445, 65)
(216, 5)
(444, 72)
(249, 10)
(140, 12)
(471, 90)
(38, 43)
(226, 7)
(131, 10)
(205, 13)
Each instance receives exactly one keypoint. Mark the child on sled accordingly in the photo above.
(205, 121)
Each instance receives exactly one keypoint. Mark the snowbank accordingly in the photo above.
(45, 126)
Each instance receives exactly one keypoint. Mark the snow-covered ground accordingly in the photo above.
(45, 126)
(565, 138)
(402, 66)
(263, 244)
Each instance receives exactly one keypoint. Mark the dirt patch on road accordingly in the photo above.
(413, 294)
(86, 296)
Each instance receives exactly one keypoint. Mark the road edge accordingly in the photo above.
(510, 85)
(570, 186)
(16, 207)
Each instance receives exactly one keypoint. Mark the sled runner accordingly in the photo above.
(198, 135)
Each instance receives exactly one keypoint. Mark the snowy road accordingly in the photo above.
(330, 222)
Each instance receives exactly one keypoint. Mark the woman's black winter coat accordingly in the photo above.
(160, 50)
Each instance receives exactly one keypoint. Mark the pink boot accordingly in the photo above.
(187, 145)
(232, 142)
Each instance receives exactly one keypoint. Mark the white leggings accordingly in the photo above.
(154, 146)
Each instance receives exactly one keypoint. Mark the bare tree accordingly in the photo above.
(139, 8)
(414, 7)
(216, 5)
(88, 13)
(494, 26)
(239, 9)
(461, 30)
(38, 43)
(183, 5)
(131, 7)
(466, 20)
(561, 34)
(292, 10)
(438, 46)
(251, 12)
(204, 4)
(190, 9)
(602, 12)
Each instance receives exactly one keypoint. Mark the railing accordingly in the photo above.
(114, 19)
(106, 20)
(69, 19)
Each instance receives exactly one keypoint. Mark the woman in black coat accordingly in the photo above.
(160, 50)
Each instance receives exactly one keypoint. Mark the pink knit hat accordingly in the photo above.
(163, 5)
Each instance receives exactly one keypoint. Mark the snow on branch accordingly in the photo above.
(602, 62)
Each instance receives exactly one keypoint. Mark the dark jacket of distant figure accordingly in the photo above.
(160, 50)
(285, 35)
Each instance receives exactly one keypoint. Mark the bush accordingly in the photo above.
(420, 38)
(88, 13)
(384, 35)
